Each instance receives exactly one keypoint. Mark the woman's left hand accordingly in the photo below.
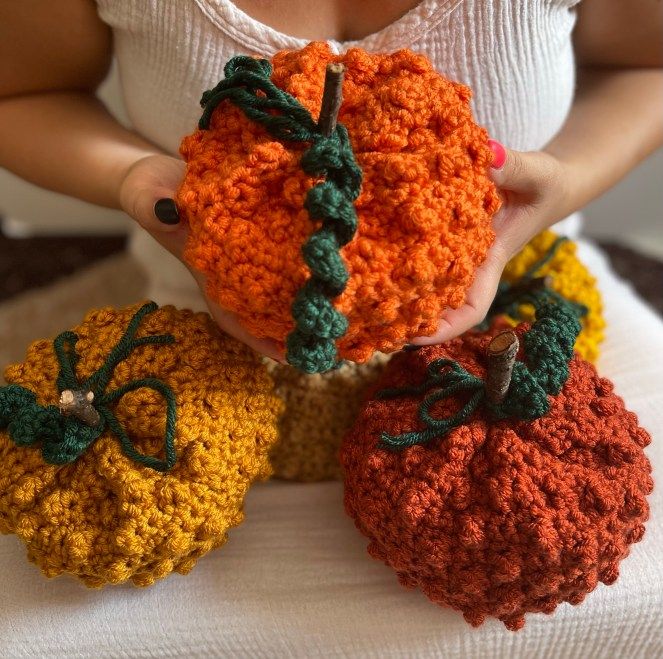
(535, 189)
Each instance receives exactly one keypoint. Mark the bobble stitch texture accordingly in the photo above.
(106, 519)
(424, 211)
(500, 517)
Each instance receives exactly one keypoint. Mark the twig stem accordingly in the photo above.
(332, 96)
(79, 404)
(502, 352)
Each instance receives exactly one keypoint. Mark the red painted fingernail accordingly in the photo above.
(499, 154)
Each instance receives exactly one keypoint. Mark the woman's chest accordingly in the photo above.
(516, 55)
(340, 20)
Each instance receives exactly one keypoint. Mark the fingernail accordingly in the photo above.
(410, 347)
(499, 154)
(166, 211)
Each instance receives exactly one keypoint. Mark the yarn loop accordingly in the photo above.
(311, 345)
(65, 438)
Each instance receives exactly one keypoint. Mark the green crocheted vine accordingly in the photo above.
(508, 299)
(311, 346)
(548, 348)
(65, 438)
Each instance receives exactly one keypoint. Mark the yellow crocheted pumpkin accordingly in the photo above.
(185, 417)
(568, 277)
(319, 408)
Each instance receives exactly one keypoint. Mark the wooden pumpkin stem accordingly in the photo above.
(502, 352)
(530, 285)
(79, 404)
(332, 96)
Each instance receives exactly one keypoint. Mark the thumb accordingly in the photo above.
(147, 195)
(514, 170)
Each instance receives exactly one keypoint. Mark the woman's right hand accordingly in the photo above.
(147, 194)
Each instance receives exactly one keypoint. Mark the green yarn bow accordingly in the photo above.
(548, 348)
(509, 296)
(65, 438)
(311, 346)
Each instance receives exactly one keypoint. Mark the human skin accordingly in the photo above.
(55, 133)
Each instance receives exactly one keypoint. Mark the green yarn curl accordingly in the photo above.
(311, 346)
(63, 439)
(548, 348)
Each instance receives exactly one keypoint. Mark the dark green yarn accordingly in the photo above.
(311, 346)
(445, 383)
(548, 348)
(63, 439)
(509, 296)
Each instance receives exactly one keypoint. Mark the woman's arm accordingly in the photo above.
(617, 118)
(53, 131)
(616, 121)
(57, 134)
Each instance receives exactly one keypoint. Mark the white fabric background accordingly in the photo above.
(295, 579)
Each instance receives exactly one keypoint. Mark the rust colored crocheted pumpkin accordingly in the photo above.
(149, 473)
(489, 514)
(337, 245)
(318, 410)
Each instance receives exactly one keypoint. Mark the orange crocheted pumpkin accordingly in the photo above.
(407, 202)
(496, 516)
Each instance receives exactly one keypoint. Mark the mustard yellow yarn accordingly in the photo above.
(571, 279)
(318, 410)
(106, 519)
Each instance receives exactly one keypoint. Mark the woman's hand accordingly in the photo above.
(146, 194)
(535, 189)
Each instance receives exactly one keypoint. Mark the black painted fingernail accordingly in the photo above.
(411, 347)
(166, 211)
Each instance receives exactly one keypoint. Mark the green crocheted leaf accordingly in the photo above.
(12, 398)
(63, 439)
(74, 439)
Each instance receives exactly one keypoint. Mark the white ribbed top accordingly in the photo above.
(515, 54)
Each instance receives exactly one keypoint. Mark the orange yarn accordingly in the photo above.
(424, 211)
(106, 519)
(500, 518)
